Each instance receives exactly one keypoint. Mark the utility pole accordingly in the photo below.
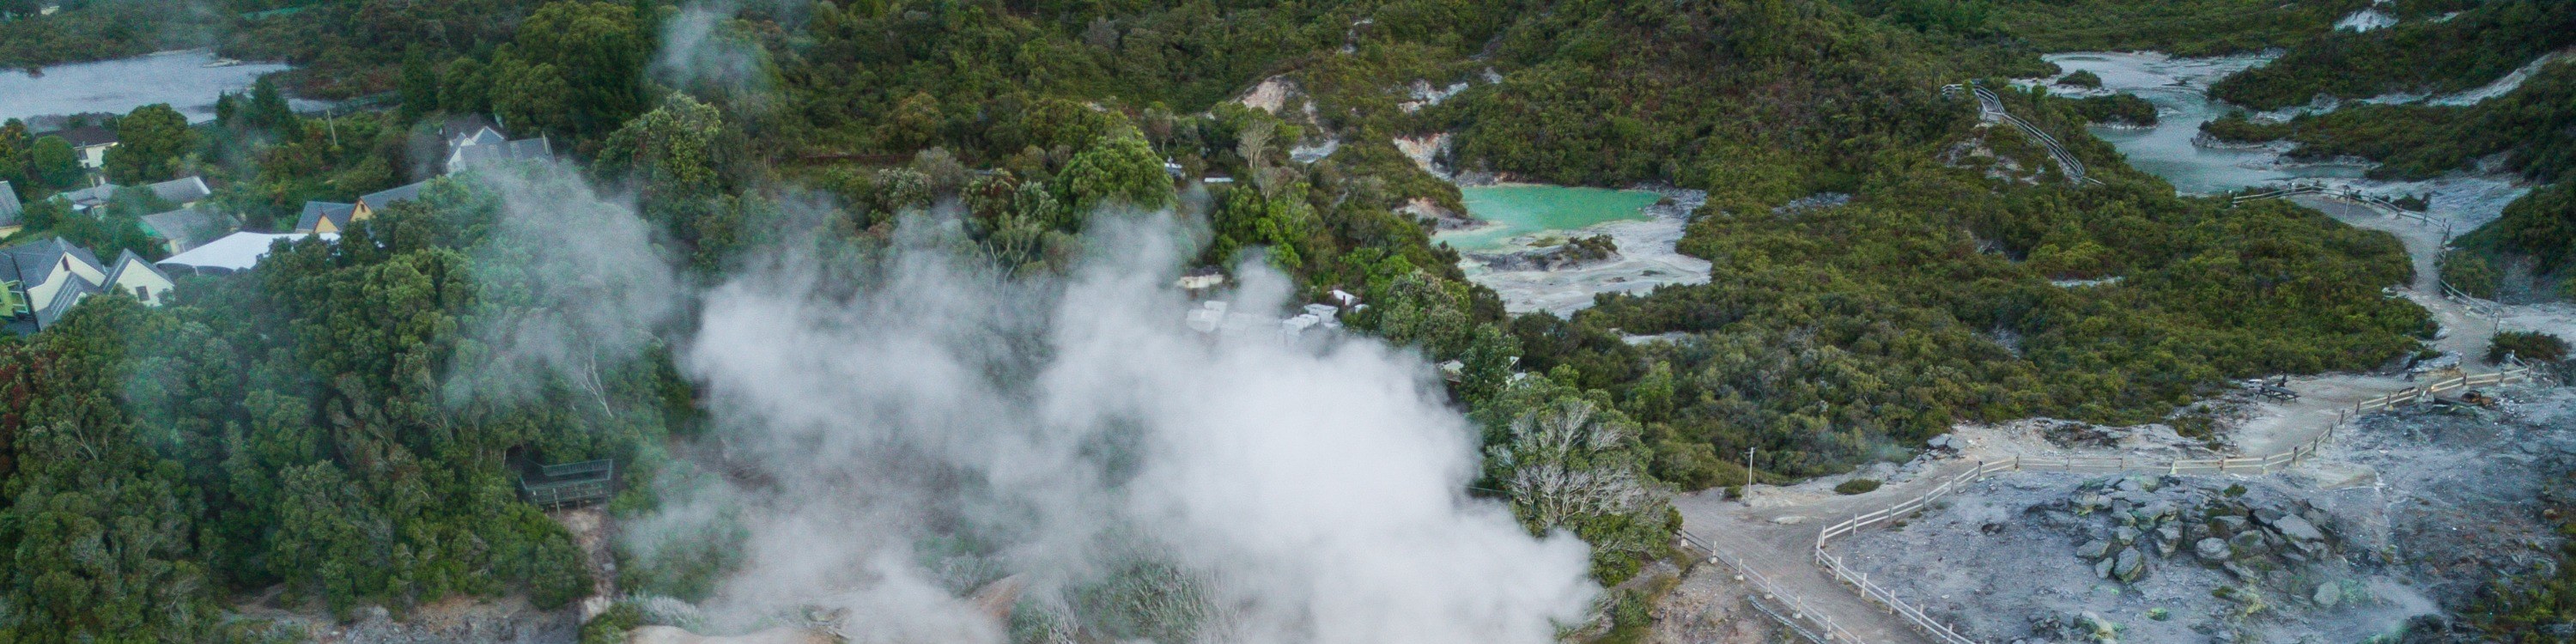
(1748, 469)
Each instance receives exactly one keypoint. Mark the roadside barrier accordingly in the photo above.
(2119, 465)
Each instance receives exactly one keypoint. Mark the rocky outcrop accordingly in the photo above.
(1573, 253)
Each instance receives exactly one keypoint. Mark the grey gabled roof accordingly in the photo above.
(36, 261)
(468, 157)
(182, 190)
(316, 211)
(128, 258)
(189, 227)
(9, 206)
(386, 197)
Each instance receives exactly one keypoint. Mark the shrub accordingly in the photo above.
(2082, 78)
(2530, 346)
(1856, 486)
(2470, 273)
(610, 627)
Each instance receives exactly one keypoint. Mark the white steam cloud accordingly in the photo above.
(890, 446)
(572, 278)
(699, 55)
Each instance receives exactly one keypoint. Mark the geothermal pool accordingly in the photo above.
(1514, 211)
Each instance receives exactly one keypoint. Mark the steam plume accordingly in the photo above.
(894, 445)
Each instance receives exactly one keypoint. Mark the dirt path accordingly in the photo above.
(1775, 528)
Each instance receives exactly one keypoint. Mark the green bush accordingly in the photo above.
(2530, 346)
(2082, 78)
(610, 627)
(1857, 486)
(2470, 272)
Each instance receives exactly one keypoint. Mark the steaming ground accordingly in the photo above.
(890, 444)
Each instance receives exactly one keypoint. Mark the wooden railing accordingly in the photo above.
(1990, 103)
(2118, 464)
(1799, 609)
(2347, 194)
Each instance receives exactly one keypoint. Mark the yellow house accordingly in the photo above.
(46, 278)
(334, 217)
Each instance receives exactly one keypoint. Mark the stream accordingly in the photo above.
(2179, 88)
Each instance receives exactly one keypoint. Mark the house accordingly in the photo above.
(44, 279)
(10, 211)
(182, 192)
(186, 228)
(326, 217)
(470, 129)
(369, 203)
(86, 198)
(229, 254)
(335, 217)
(473, 154)
(90, 142)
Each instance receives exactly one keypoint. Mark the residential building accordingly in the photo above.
(186, 228)
(229, 254)
(326, 217)
(11, 212)
(369, 203)
(181, 192)
(335, 217)
(86, 198)
(470, 155)
(42, 281)
(90, 142)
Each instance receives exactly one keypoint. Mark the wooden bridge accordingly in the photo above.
(570, 484)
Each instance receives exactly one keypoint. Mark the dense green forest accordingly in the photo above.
(2532, 130)
(2480, 44)
(298, 426)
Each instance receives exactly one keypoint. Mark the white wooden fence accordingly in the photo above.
(2243, 465)
(1799, 609)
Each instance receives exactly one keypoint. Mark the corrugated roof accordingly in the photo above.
(234, 252)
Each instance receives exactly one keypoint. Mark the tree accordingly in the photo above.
(152, 145)
(590, 54)
(14, 145)
(419, 85)
(268, 109)
(1567, 460)
(53, 164)
(1118, 170)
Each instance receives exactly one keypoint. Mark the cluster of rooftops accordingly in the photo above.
(42, 280)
